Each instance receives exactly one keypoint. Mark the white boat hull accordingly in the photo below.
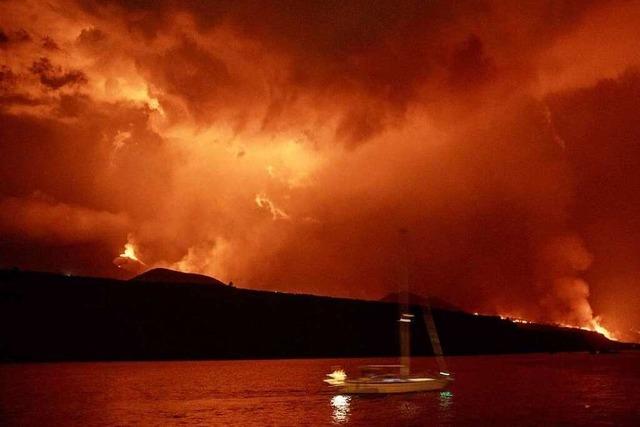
(409, 385)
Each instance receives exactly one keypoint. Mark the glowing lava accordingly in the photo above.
(593, 325)
(513, 319)
(130, 252)
(596, 326)
(128, 259)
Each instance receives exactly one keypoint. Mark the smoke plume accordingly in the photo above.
(282, 144)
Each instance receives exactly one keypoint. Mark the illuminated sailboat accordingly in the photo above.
(386, 379)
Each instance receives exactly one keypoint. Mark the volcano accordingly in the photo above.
(165, 275)
(168, 315)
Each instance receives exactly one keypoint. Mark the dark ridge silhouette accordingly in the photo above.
(51, 317)
(415, 299)
(166, 275)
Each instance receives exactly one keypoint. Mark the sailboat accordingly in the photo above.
(386, 379)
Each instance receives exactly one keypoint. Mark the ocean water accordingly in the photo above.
(513, 390)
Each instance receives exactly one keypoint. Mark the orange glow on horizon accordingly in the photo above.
(596, 326)
(281, 148)
(593, 325)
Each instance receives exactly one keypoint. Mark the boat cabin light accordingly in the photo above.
(406, 317)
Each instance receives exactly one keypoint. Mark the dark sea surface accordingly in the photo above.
(514, 390)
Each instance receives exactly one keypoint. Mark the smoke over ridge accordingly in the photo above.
(282, 144)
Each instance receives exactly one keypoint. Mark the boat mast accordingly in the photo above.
(404, 322)
(435, 340)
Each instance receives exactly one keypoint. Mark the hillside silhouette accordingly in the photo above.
(170, 315)
(415, 299)
(166, 275)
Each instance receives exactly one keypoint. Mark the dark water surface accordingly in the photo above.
(549, 389)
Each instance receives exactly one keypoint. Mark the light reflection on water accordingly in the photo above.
(340, 405)
(446, 399)
(409, 406)
(561, 389)
(408, 410)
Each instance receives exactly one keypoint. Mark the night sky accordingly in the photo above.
(282, 144)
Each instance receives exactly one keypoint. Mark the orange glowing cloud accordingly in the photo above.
(282, 147)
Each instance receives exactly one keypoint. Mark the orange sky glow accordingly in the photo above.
(282, 144)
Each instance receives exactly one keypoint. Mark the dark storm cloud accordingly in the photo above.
(54, 77)
(91, 37)
(387, 49)
(43, 219)
(8, 37)
(469, 65)
(360, 126)
(281, 145)
(7, 78)
(49, 44)
(193, 73)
